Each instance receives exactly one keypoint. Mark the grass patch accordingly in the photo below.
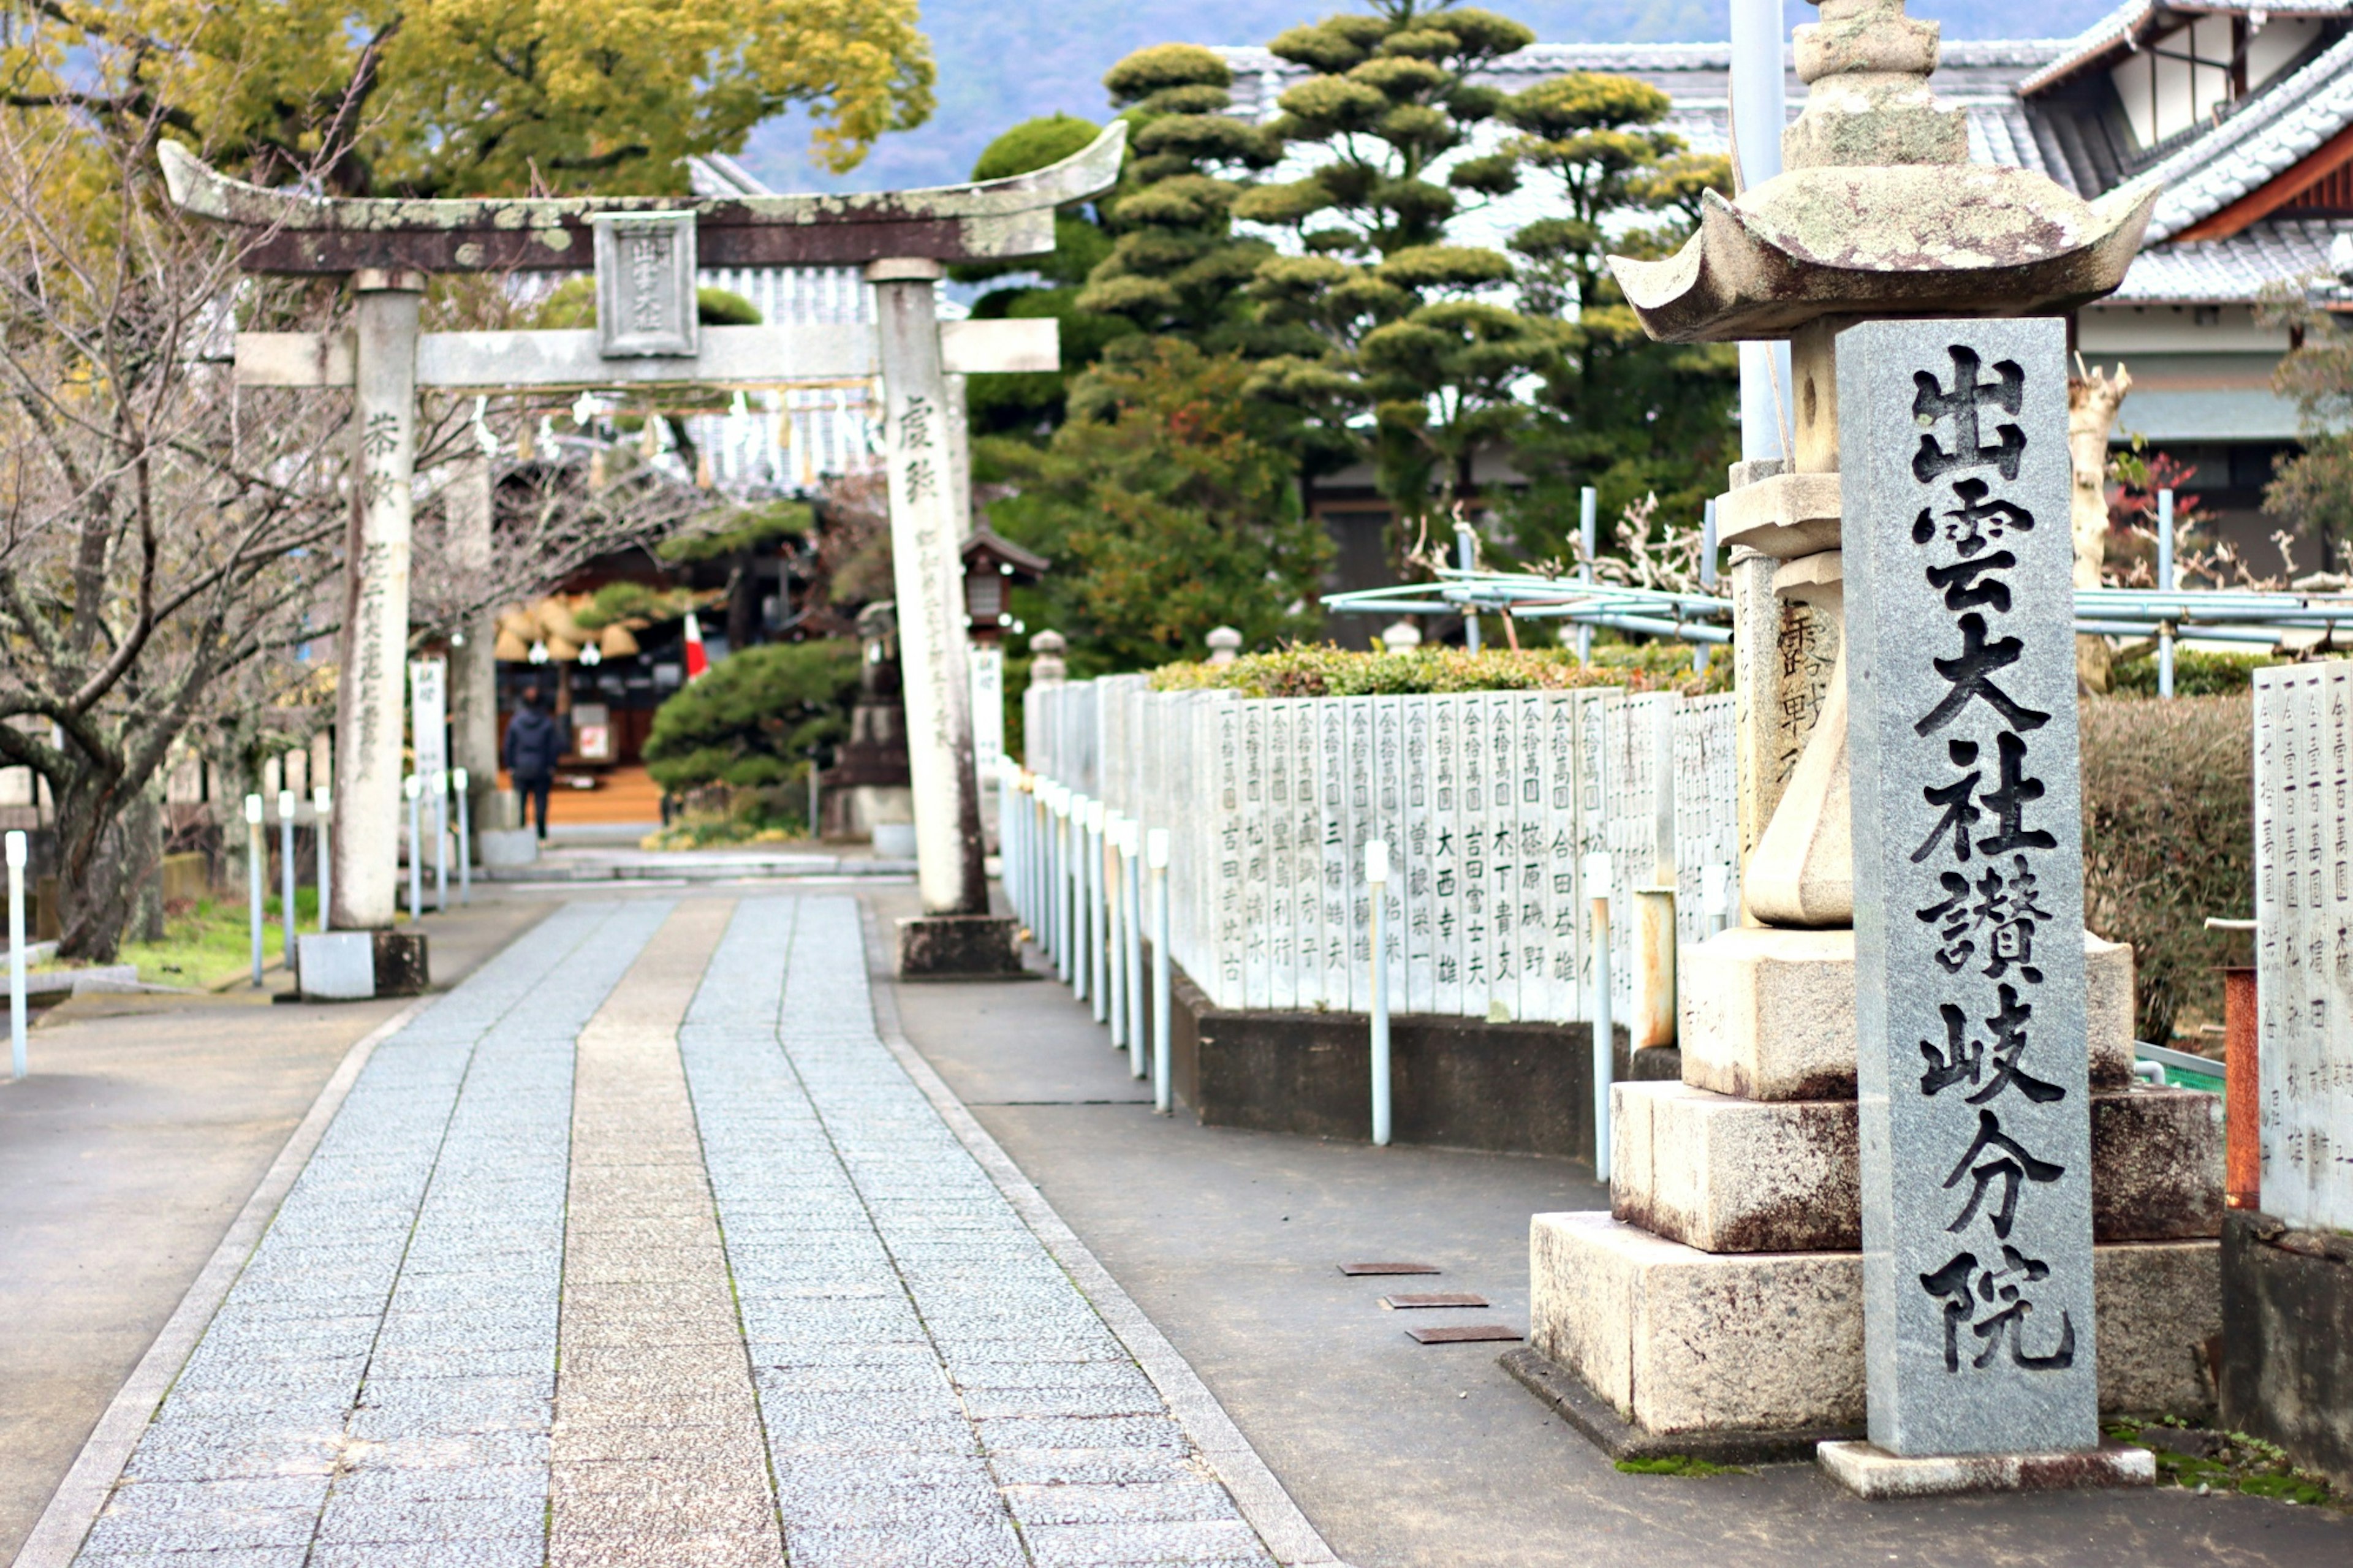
(209, 942)
(1677, 1464)
(2206, 1461)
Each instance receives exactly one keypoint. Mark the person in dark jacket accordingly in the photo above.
(535, 741)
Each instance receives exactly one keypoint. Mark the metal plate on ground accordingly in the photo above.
(1354, 1269)
(1464, 1333)
(1408, 1301)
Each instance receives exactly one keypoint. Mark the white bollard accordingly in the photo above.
(465, 839)
(2165, 581)
(1605, 1044)
(257, 872)
(1131, 881)
(1156, 858)
(440, 841)
(1098, 908)
(1376, 876)
(322, 801)
(1114, 991)
(1064, 888)
(414, 787)
(17, 1065)
(1082, 918)
(286, 869)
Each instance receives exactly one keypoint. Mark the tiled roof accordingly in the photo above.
(2122, 27)
(2267, 136)
(2236, 270)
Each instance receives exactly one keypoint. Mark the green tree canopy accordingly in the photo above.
(454, 98)
(1165, 509)
(756, 717)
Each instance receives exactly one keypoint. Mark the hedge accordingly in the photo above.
(1326, 669)
(2169, 839)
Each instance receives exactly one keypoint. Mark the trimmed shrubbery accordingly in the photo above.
(1326, 669)
(2169, 839)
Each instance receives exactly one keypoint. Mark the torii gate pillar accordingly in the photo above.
(927, 570)
(365, 844)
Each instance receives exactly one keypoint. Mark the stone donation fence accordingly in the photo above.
(1490, 804)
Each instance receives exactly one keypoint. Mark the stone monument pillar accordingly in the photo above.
(367, 810)
(1765, 1279)
(956, 933)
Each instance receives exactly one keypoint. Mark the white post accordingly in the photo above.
(415, 789)
(17, 1063)
(376, 634)
(1098, 911)
(465, 840)
(441, 841)
(927, 569)
(1065, 892)
(1131, 882)
(1759, 112)
(257, 871)
(1466, 555)
(1706, 575)
(1081, 900)
(1377, 877)
(1155, 855)
(2165, 581)
(1114, 991)
(1605, 1044)
(322, 802)
(286, 869)
(474, 671)
(1589, 535)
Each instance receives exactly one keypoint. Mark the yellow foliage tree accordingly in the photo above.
(462, 98)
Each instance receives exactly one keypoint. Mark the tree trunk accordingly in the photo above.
(2093, 398)
(106, 858)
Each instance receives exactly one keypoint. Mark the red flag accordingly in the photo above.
(696, 662)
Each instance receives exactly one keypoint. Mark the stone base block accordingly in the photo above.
(402, 967)
(1677, 1339)
(1769, 1014)
(1874, 1473)
(959, 947)
(336, 966)
(2287, 1345)
(1726, 1174)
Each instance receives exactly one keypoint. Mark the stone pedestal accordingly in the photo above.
(1719, 1309)
(1874, 1473)
(1769, 1014)
(2287, 1344)
(1677, 1341)
(959, 947)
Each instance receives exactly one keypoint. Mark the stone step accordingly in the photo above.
(1677, 1339)
(1726, 1174)
(1770, 1014)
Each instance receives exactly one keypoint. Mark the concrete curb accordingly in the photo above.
(1280, 1523)
(57, 1535)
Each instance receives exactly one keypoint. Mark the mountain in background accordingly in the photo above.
(1002, 61)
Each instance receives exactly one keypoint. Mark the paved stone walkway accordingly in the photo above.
(641, 1248)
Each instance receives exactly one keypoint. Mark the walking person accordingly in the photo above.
(536, 739)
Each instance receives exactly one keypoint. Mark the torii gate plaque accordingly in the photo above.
(645, 252)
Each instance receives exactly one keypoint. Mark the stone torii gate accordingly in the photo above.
(645, 252)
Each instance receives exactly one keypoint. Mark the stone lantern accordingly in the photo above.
(1730, 1305)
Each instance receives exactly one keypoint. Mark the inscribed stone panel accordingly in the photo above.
(1281, 878)
(1419, 986)
(1446, 854)
(1332, 839)
(1229, 851)
(1478, 973)
(1258, 940)
(2303, 911)
(1969, 1004)
(1307, 857)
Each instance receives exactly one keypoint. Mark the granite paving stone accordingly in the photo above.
(639, 1246)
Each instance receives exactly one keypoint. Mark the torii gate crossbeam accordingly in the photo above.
(645, 252)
